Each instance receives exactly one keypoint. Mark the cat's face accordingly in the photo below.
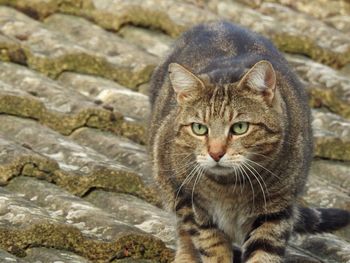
(229, 128)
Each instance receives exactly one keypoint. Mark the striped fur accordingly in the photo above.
(319, 220)
(234, 176)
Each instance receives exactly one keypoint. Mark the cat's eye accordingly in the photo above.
(199, 129)
(239, 128)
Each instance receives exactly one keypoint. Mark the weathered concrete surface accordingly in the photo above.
(75, 174)
(290, 31)
(326, 87)
(331, 135)
(50, 255)
(39, 9)
(173, 17)
(326, 247)
(154, 42)
(316, 8)
(61, 108)
(329, 186)
(9, 258)
(110, 94)
(45, 215)
(70, 209)
(137, 212)
(10, 50)
(29, 94)
(117, 52)
(342, 23)
(322, 193)
(337, 173)
(81, 168)
(52, 52)
(333, 195)
(117, 149)
(66, 237)
(17, 159)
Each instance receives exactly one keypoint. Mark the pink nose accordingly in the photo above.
(217, 155)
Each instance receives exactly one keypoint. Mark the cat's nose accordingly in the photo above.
(217, 155)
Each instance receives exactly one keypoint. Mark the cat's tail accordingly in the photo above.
(318, 220)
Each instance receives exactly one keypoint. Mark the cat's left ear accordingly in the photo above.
(185, 84)
(261, 79)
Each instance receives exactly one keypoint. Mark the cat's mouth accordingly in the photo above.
(221, 169)
(225, 175)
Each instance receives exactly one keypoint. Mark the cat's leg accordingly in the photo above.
(213, 245)
(268, 237)
(185, 251)
(210, 243)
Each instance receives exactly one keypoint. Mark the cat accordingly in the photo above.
(231, 144)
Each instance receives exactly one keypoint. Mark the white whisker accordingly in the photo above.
(242, 177)
(178, 170)
(235, 171)
(199, 172)
(259, 154)
(261, 187)
(251, 184)
(186, 180)
(264, 168)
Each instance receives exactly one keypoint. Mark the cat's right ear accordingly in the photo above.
(261, 79)
(184, 83)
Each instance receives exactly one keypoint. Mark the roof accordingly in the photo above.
(76, 183)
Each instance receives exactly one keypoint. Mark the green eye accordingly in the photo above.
(199, 129)
(240, 128)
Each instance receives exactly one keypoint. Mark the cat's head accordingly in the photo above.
(228, 127)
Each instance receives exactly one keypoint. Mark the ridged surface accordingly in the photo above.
(76, 183)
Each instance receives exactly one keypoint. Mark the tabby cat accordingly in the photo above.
(232, 144)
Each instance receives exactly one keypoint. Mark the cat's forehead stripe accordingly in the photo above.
(224, 102)
(200, 115)
(220, 104)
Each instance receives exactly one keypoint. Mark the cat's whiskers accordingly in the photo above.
(180, 154)
(187, 180)
(200, 173)
(257, 179)
(250, 182)
(236, 177)
(262, 155)
(166, 142)
(178, 170)
(172, 154)
(242, 185)
(264, 168)
(258, 174)
(181, 168)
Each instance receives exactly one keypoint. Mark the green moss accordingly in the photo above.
(33, 165)
(21, 106)
(11, 51)
(65, 237)
(134, 131)
(40, 9)
(88, 64)
(103, 178)
(67, 123)
(305, 46)
(34, 9)
(332, 149)
(319, 97)
(138, 15)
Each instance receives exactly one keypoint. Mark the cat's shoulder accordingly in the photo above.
(227, 31)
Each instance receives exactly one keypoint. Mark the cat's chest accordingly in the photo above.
(229, 213)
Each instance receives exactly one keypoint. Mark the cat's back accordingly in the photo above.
(222, 50)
